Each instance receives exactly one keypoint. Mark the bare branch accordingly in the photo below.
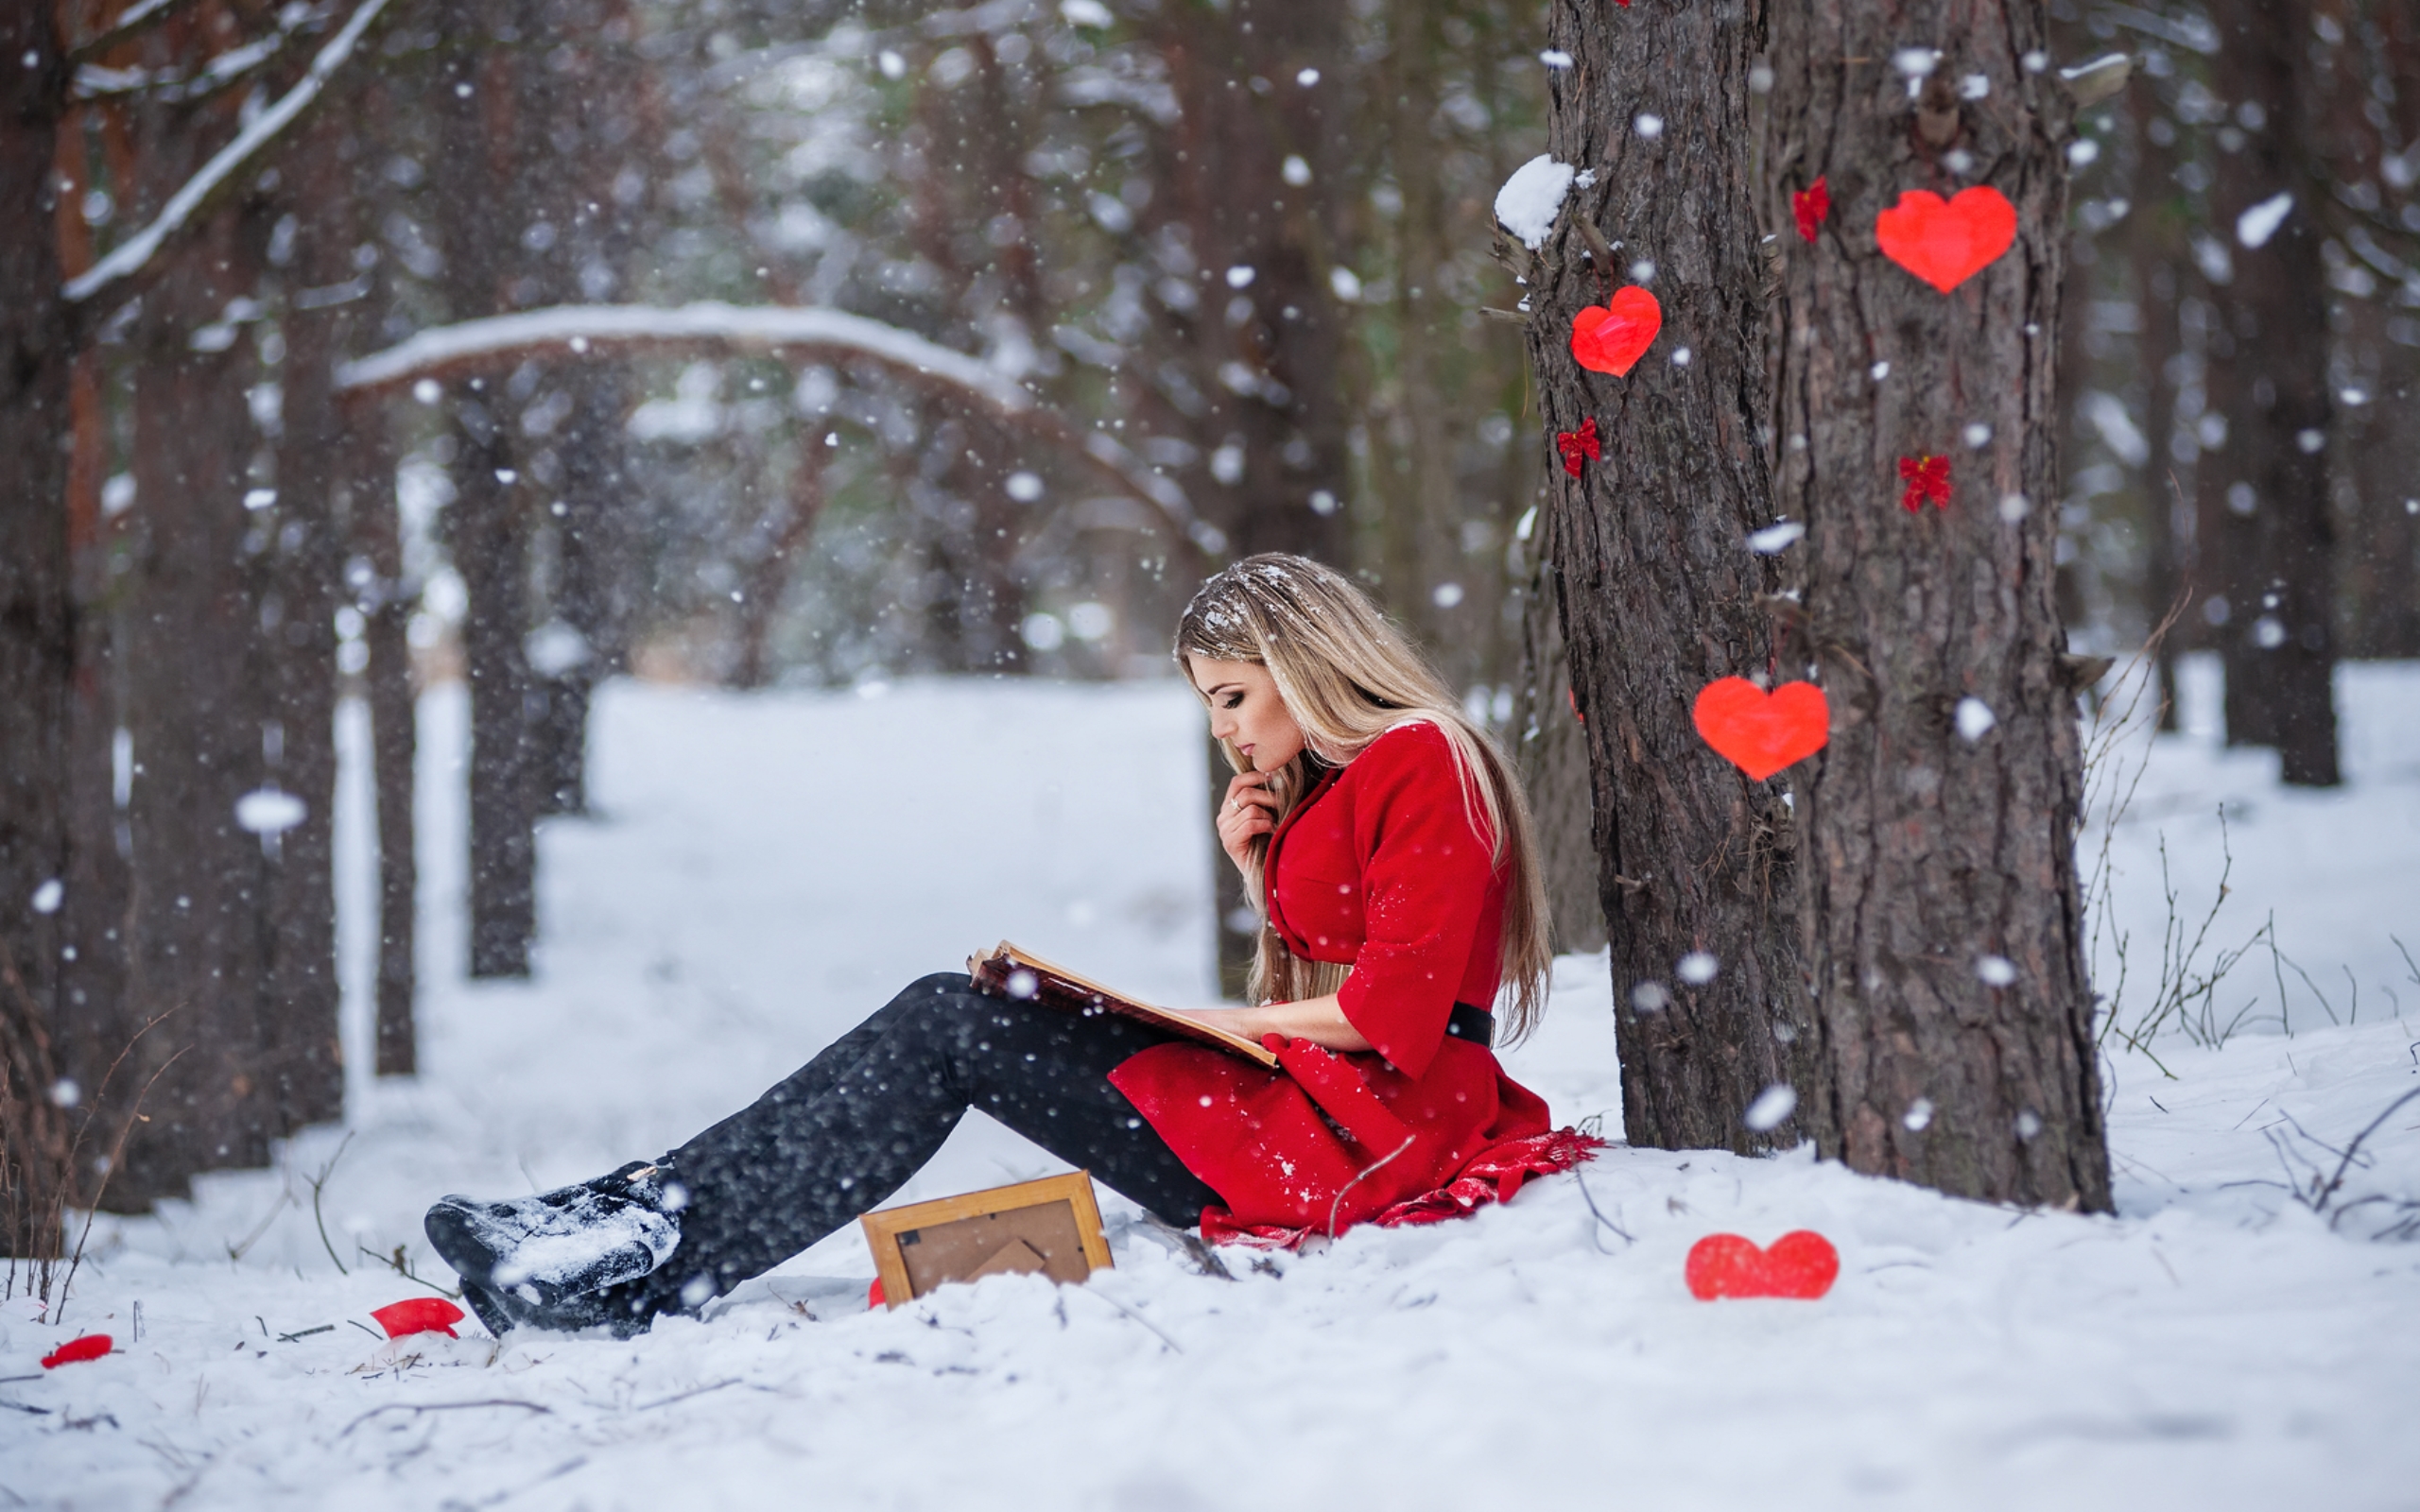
(129, 257)
(131, 22)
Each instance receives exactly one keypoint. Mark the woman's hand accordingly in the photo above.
(1250, 809)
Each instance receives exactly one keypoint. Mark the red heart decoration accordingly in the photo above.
(1611, 337)
(1761, 732)
(1801, 1264)
(1946, 242)
(419, 1315)
(90, 1347)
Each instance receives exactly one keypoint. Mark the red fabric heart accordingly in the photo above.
(1809, 206)
(90, 1347)
(1928, 477)
(1946, 242)
(1760, 733)
(419, 1315)
(1577, 446)
(1801, 1264)
(1611, 337)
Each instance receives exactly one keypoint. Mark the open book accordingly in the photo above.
(1015, 973)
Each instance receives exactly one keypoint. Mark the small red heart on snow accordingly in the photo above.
(1801, 1264)
(873, 1294)
(1761, 732)
(419, 1315)
(1946, 242)
(90, 1347)
(1611, 337)
(1808, 207)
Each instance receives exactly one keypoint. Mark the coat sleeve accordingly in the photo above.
(1424, 875)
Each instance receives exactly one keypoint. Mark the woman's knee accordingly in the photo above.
(947, 1005)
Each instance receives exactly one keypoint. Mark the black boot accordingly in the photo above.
(548, 1261)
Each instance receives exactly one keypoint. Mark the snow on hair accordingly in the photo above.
(1348, 675)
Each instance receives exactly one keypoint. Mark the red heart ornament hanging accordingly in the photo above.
(1946, 242)
(1802, 1265)
(1611, 337)
(419, 1315)
(1761, 732)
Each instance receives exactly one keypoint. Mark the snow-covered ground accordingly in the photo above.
(763, 872)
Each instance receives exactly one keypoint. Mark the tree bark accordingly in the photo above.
(1552, 746)
(298, 659)
(197, 949)
(1266, 352)
(1938, 894)
(36, 631)
(1263, 348)
(1659, 593)
(387, 607)
(2266, 490)
(487, 530)
(2156, 248)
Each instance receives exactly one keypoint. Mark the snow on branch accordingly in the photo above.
(128, 257)
(587, 329)
(584, 327)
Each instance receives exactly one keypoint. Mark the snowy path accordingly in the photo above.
(766, 870)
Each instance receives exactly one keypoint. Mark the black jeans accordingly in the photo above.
(848, 1129)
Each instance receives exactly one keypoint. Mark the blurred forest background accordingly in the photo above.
(1139, 286)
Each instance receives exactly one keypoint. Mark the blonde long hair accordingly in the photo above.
(1348, 675)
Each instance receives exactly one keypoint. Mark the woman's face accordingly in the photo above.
(1246, 712)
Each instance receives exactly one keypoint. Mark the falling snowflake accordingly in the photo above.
(1975, 719)
(1771, 1107)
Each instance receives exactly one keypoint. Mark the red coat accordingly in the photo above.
(1379, 866)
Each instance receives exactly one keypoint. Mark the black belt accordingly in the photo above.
(1476, 1025)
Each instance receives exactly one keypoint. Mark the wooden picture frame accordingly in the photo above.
(1050, 1227)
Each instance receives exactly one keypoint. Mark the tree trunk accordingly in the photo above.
(2156, 246)
(1552, 746)
(1938, 899)
(487, 524)
(2383, 562)
(2266, 490)
(195, 709)
(37, 632)
(299, 663)
(1264, 346)
(1267, 336)
(591, 582)
(387, 612)
(1658, 590)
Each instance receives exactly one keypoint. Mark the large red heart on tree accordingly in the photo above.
(1946, 242)
(1761, 732)
(1611, 337)
(1801, 1264)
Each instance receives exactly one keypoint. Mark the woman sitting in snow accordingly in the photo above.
(1389, 845)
